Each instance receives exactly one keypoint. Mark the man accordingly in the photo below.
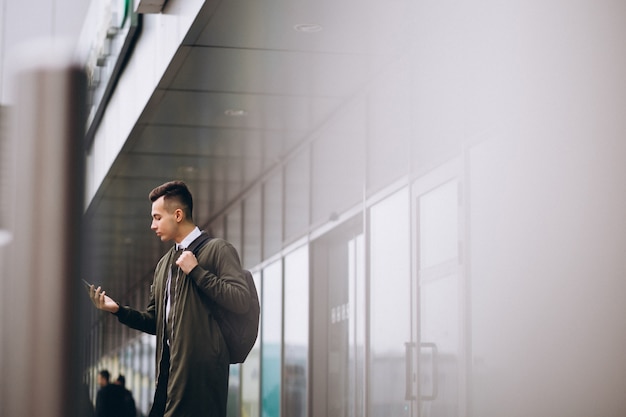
(109, 398)
(128, 401)
(192, 359)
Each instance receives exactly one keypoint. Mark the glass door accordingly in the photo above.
(337, 322)
(390, 338)
(440, 345)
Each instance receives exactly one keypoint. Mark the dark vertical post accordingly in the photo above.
(41, 359)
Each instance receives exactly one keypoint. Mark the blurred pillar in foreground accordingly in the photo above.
(40, 364)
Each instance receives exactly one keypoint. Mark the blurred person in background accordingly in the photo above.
(128, 401)
(110, 398)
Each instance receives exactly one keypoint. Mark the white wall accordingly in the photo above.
(547, 224)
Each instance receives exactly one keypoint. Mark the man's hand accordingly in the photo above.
(102, 301)
(187, 261)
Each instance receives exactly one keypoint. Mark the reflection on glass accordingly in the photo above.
(251, 372)
(356, 314)
(439, 225)
(233, 227)
(134, 360)
(337, 179)
(337, 323)
(271, 334)
(217, 228)
(440, 327)
(390, 318)
(297, 178)
(296, 332)
(147, 371)
(272, 215)
(389, 127)
(345, 390)
(251, 252)
(233, 405)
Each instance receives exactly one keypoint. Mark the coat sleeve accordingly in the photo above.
(144, 321)
(220, 277)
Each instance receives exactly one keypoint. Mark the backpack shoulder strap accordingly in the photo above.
(199, 242)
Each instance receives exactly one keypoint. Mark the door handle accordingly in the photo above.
(434, 372)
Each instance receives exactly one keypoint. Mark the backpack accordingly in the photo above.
(239, 330)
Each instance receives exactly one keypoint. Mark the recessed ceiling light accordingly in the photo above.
(187, 169)
(186, 172)
(307, 27)
(235, 112)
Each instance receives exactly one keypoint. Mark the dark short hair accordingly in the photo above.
(174, 191)
(121, 379)
(105, 374)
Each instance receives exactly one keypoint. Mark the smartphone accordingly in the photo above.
(87, 285)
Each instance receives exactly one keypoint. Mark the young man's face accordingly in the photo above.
(164, 223)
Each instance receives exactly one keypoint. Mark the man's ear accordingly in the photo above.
(179, 215)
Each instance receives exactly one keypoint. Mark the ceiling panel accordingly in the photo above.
(255, 71)
(351, 26)
(268, 145)
(204, 109)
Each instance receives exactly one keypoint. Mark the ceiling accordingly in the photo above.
(251, 82)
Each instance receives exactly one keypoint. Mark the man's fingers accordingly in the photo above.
(183, 256)
(96, 296)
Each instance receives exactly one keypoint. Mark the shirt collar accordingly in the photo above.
(188, 239)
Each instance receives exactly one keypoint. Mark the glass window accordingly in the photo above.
(271, 334)
(441, 354)
(272, 215)
(250, 373)
(217, 228)
(233, 405)
(438, 224)
(337, 322)
(390, 308)
(233, 228)
(297, 176)
(296, 332)
(147, 385)
(389, 128)
(251, 255)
